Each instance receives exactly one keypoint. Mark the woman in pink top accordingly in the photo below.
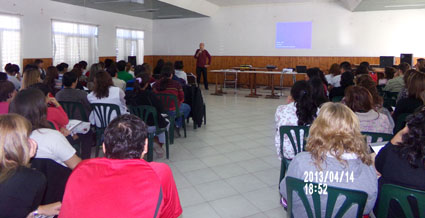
(7, 93)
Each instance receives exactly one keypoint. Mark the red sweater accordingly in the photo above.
(201, 60)
(173, 88)
(57, 116)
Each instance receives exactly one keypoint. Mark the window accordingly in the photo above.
(130, 43)
(73, 42)
(10, 40)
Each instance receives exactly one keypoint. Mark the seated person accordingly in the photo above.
(31, 76)
(31, 103)
(389, 74)
(168, 86)
(403, 93)
(360, 101)
(112, 70)
(396, 84)
(347, 79)
(416, 85)
(105, 93)
(140, 95)
(300, 111)
(52, 77)
(7, 93)
(335, 144)
(122, 184)
(400, 162)
(122, 74)
(21, 188)
(334, 76)
(13, 75)
(318, 93)
(178, 66)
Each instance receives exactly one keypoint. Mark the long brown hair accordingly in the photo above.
(367, 82)
(336, 131)
(31, 76)
(416, 84)
(51, 75)
(102, 82)
(14, 147)
(334, 70)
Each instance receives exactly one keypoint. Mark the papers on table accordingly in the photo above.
(78, 126)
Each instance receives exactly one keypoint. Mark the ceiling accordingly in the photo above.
(378, 5)
(137, 8)
(252, 2)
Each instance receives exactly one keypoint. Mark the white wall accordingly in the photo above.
(250, 31)
(36, 25)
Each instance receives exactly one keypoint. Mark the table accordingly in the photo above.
(253, 82)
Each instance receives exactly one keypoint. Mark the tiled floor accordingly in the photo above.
(229, 167)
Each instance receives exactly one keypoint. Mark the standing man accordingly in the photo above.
(201, 64)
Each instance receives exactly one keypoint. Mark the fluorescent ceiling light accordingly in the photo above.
(404, 6)
(146, 10)
(120, 1)
(169, 16)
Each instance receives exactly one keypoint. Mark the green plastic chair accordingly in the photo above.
(337, 98)
(375, 136)
(144, 111)
(52, 126)
(400, 194)
(390, 99)
(71, 107)
(286, 130)
(352, 197)
(104, 113)
(401, 122)
(166, 100)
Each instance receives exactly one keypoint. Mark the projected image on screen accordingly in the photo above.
(295, 35)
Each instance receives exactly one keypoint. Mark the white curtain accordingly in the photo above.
(130, 43)
(73, 42)
(10, 40)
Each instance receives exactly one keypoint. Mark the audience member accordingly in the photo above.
(79, 72)
(168, 86)
(416, 85)
(83, 65)
(397, 83)
(7, 93)
(93, 71)
(403, 93)
(51, 79)
(369, 70)
(13, 75)
(178, 66)
(401, 161)
(108, 63)
(335, 144)
(112, 70)
(158, 67)
(300, 111)
(334, 76)
(135, 188)
(345, 66)
(62, 69)
(31, 104)
(420, 65)
(21, 188)
(105, 93)
(3, 76)
(318, 92)
(360, 101)
(347, 80)
(316, 72)
(122, 74)
(31, 76)
(148, 69)
(140, 95)
(129, 69)
(389, 74)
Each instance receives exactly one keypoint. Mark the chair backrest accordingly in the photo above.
(390, 99)
(143, 112)
(400, 194)
(103, 113)
(286, 130)
(168, 100)
(191, 79)
(375, 136)
(352, 197)
(71, 107)
(337, 98)
(401, 122)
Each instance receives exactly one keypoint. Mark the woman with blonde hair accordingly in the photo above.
(21, 188)
(31, 76)
(335, 145)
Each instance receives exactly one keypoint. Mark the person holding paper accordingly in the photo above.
(201, 56)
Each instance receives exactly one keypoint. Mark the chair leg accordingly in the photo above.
(205, 115)
(150, 147)
(171, 130)
(184, 128)
(167, 145)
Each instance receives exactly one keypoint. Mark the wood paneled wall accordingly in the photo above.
(102, 59)
(225, 62)
(47, 62)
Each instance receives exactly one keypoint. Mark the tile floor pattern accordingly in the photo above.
(229, 167)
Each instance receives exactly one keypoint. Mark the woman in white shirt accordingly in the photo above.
(300, 111)
(334, 76)
(31, 104)
(105, 93)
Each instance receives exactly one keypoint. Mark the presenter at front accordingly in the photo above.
(201, 56)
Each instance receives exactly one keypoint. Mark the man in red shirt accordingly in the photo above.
(201, 56)
(122, 184)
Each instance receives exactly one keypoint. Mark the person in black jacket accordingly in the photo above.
(347, 79)
(21, 188)
(141, 95)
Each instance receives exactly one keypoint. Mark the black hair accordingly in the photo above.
(121, 65)
(362, 69)
(166, 72)
(30, 103)
(60, 67)
(306, 108)
(313, 72)
(42, 87)
(112, 70)
(158, 67)
(29, 67)
(11, 68)
(125, 137)
(83, 64)
(389, 72)
(412, 147)
(346, 66)
(318, 91)
(69, 78)
(6, 89)
(139, 69)
(365, 64)
(178, 65)
(347, 79)
(38, 61)
(108, 62)
(137, 86)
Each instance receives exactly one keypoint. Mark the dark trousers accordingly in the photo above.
(202, 70)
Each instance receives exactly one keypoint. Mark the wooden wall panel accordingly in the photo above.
(47, 62)
(102, 59)
(225, 62)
